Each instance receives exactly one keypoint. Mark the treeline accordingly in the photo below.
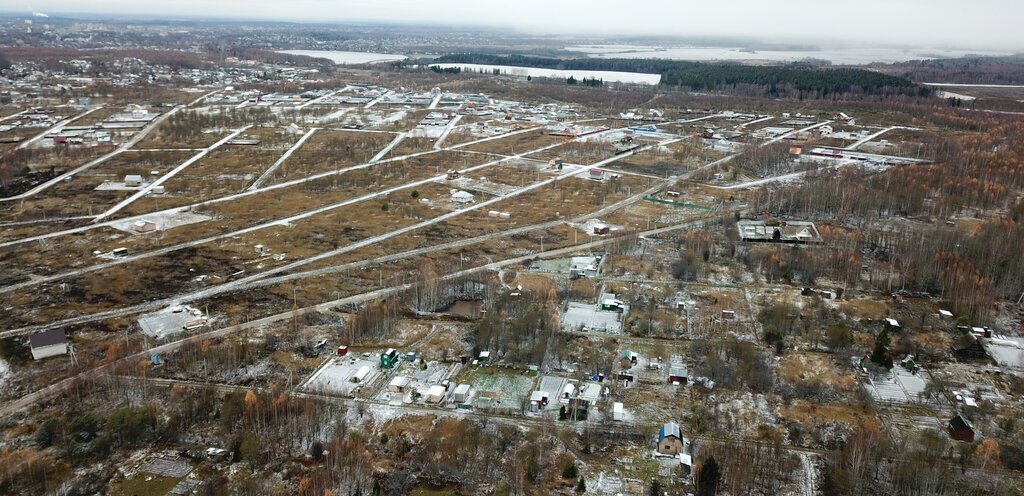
(779, 81)
(982, 70)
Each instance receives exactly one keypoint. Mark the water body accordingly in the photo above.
(606, 76)
(343, 58)
(841, 56)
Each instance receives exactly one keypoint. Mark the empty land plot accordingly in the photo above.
(334, 188)
(509, 386)
(61, 158)
(98, 116)
(345, 225)
(578, 152)
(645, 213)
(13, 135)
(278, 203)
(79, 196)
(518, 143)
(814, 415)
(202, 127)
(515, 173)
(393, 120)
(190, 269)
(411, 145)
(48, 257)
(229, 169)
(330, 150)
(670, 160)
(162, 139)
(11, 232)
(816, 368)
(122, 285)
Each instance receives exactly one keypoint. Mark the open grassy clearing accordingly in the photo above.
(518, 143)
(411, 145)
(78, 196)
(232, 215)
(330, 150)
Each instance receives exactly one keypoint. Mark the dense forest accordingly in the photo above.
(975, 70)
(774, 81)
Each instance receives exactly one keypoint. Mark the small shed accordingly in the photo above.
(48, 343)
(361, 374)
(144, 226)
(601, 229)
(678, 375)
(461, 393)
(435, 394)
(617, 412)
(399, 384)
(458, 196)
(342, 350)
(538, 400)
(961, 429)
(389, 358)
(568, 391)
(133, 180)
(611, 303)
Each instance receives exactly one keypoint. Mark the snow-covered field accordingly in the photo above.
(606, 76)
(950, 94)
(342, 57)
(835, 55)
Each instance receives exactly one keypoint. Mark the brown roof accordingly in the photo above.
(47, 338)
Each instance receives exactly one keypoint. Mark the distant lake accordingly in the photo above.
(842, 56)
(607, 76)
(342, 57)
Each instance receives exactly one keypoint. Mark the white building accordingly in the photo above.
(459, 196)
(461, 393)
(48, 343)
(144, 226)
(435, 394)
(361, 374)
(399, 384)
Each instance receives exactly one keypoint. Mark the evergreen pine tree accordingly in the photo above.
(707, 480)
(880, 355)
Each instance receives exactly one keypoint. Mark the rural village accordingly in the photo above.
(279, 279)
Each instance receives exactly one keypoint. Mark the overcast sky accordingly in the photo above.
(993, 24)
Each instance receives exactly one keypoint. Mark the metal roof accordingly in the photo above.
(669, 429)
(47, 338)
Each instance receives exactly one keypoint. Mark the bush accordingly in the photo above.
(569, 470)
(47, 433)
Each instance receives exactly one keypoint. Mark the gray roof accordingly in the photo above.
(669, 429)
(47, 338)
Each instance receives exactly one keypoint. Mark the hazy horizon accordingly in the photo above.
(986, 25)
